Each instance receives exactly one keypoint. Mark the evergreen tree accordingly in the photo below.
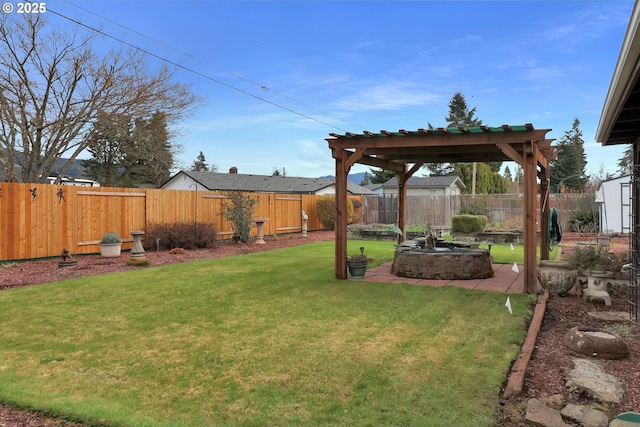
(149, 157)
(626, 161)
(107, 140)
(277, 172)
(571, 162)
(507, 174)
(487, 181)
(200, 164)
(459, 115)
(380, 176)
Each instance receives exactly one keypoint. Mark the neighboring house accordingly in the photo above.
(427, 186)
(234, 181)
(614, 199)
(375, 188)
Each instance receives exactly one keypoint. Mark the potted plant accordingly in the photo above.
(357, 264)
(591, 259)
(110, 245)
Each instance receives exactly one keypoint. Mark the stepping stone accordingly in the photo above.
(584, 416)
(611, 316)
(589, 376)
(539, 414)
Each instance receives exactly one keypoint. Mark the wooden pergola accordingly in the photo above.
(405, 152)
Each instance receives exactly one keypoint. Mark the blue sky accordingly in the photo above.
(278, 76)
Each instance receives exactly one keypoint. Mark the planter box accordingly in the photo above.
(110, 250)
(382, 235)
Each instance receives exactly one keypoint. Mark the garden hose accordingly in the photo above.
(554, 228)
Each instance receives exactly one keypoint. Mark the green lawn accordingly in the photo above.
(263, 339)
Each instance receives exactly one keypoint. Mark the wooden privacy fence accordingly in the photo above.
(39, 220)
(438, 210)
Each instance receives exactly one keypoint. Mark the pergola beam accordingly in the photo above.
(396, 150)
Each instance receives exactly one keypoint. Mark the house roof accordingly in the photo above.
(215, 181)
(620, 122)
(427, 182)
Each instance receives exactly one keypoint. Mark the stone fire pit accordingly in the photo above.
(441, 263)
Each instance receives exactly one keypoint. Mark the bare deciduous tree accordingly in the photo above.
(53, 84)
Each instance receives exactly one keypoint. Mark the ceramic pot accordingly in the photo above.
(556, 276)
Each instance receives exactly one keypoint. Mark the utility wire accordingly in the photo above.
(237, 76)
(191, 70)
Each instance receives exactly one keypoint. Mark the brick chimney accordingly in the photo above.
(233, 169)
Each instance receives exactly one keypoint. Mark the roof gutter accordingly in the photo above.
(623, 80)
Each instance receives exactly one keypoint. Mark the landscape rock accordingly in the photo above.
(539, 414)
(589, 376)
(596, 343)
(610, 316)
(586, 417)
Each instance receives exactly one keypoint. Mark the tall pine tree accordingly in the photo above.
(200, 164)
(487, 178)
(569, 166)
(106, 141)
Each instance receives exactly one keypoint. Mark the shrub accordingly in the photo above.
(584, 222)
(591, 257)
(179, 235)
(111, 238)
(475, 207)
(326, 210)
(239, 211)
(357, 211)
(468, 223)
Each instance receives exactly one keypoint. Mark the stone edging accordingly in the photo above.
(515, 383)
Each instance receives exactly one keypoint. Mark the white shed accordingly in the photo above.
(614, 198)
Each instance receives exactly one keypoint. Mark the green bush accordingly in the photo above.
(239, 211)
(326, 210)
(591, 257)
(475, 207)
(111, 238)
(179, 235)
(468, 223)
(585, 222)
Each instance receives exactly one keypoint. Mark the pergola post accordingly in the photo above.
(402, 204)
(530, 235)
(341, 214)
(395, 150)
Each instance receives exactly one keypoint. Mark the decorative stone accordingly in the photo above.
(589, 376)
(611, 316)
(556, 276)
(67, 260)
(596, 343)
(584, 416)
(442, 264)
(539, 414)
(591, 295)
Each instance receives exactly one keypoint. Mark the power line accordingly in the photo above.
(191, 70)
(181, 52)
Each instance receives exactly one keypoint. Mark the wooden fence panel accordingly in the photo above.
(438, 210)
(77, 217)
